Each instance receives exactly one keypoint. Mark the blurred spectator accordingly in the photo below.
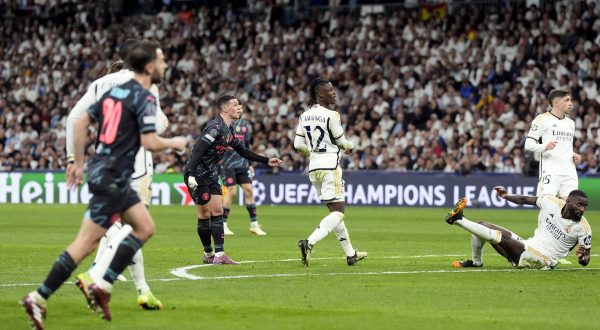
(453, 91)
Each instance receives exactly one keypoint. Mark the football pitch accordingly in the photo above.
(405, 283)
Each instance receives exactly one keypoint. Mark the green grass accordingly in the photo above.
(406, 283)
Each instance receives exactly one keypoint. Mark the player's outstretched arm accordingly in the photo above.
(251, 155)
(517, 199)
(153, 142)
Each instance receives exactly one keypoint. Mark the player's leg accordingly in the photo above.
(476, 254)
(105, 239)
(85, 242)
(548, 184)
(134, 213)
(146, 298)
(216, 225)
(503, 240)
(228, 198)
(105, 258)
(246, 184)
(201, 196)
(566, 185)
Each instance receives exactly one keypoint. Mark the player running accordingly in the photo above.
(141, 180)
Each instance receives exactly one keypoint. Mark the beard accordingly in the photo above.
(156, 77)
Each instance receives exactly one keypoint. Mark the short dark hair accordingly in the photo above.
(578, 193)
(142, 53)
(223, 99)
(125, 48)
(557, 94)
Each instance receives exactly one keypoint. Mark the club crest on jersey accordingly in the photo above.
(237, 129)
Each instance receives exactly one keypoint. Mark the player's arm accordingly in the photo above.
(517, 199)
(146, 119)
(78, 110)
(336, 129)
(252, 156)
(300, 142)
(152, 142)
(162, 122)
(534, 135)
(75, 171)
(583, 255)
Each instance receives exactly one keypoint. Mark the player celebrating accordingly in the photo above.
(201, 176)
(551, 135)
(126, 116)
(237, 171)
(140, 180)
(320, 136)
(561, 227)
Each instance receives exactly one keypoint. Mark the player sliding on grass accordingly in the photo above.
(321, 137)
(561, 227)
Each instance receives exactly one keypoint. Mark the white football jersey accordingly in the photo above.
(555, 236)
(558, 161)
(321, 129)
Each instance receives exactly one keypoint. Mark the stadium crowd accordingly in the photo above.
(440, 88)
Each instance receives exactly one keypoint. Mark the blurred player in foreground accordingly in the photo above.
(140, 182)
(126, 117)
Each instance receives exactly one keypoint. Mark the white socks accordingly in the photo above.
(104, 240)
(136, 269)
(325, 227)
(477, 250)
(105, 257)
(344, 238)
(487, 234)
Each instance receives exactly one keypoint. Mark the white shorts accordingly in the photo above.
(141, 179)
(534, 259)
(142, 187)
(329, 184)
(557, 185)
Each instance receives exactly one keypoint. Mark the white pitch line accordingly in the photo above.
(181, 272)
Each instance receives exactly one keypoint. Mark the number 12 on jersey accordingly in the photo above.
(316, 146)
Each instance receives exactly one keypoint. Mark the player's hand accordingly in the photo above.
(251, 172)
(74, 176)
(501, 191)
(576, 158)
(191, 181)
(68, 168)
(551, 145)
(179, 143)
(580, 252)
(275, 162)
